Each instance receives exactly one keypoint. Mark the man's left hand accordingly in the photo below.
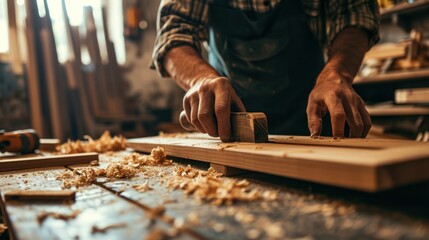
(334, 93)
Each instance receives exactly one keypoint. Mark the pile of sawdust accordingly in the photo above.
(207, 185)
(104, 144)
(157, 157)
(84, 177)
(210, 186)
(128, 167)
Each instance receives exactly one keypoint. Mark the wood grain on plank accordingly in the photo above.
(345, 166)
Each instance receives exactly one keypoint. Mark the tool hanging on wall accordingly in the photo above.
(21, 141)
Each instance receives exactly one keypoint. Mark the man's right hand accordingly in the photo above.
(208, 105)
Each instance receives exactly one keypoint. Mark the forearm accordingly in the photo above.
(186, 66)
(346, 54)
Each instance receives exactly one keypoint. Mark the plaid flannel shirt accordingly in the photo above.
(184, 22)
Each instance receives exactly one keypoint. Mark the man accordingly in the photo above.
(266, 55)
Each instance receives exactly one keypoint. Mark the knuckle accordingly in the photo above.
(339, 115)
(222, 82)
(221, 109)
(204, 88)
(202, 116)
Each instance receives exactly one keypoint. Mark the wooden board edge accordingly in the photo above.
(390, 176)
(46, 161)
(363, 178)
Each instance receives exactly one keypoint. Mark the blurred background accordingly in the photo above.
(75, 67)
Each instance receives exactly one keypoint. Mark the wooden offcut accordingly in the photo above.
(15, 163)
(249, 127)
(363, 164)
(40, 195)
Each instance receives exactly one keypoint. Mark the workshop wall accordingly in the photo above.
(153, 93)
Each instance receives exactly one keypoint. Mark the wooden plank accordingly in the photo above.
(56, 85)
(40, 195)
(34, 74)
(351, 167)
(15, 52)
(18, 163)
(96, 214)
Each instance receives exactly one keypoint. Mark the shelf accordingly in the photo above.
(394, 76)
(396, 110)
(405, 8)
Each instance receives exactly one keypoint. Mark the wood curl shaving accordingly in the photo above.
(157, 157)
(80, 178)
(210, 186)
(104, 144)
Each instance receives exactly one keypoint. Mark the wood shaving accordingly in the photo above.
(63, 216)
(104, 144)
(213, 188)
(253, 233)
(103, 229)
(193, 218)
(187, 171)
(128, 167)
(94, 163)
(157, 157)
(143, 187)
(77, 179)
(118, 170)
(275, 230)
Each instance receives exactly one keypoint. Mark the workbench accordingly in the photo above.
(116, 210)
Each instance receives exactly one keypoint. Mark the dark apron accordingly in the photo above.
(272, 60)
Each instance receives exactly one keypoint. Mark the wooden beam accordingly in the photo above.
(40, 195)
(46, 161)
(330, 161)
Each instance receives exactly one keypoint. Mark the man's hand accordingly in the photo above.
(208, 106)
(333, 91)
(336, 95)
(209, 97)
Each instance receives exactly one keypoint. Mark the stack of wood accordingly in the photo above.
(71, 99)
(384, 58)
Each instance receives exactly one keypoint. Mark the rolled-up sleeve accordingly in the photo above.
(180, 22)
(363, 14)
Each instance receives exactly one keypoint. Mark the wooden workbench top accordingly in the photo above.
(116, 210)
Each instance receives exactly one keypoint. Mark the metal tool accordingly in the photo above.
(21, 141)
(245, 126)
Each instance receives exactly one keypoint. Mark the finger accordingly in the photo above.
(353, 117)
(366, 118)
(237, 104)
(314, 119)
(194, 116)
(187, 108)
(222, 110)
(206, 116)
(338, 116)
